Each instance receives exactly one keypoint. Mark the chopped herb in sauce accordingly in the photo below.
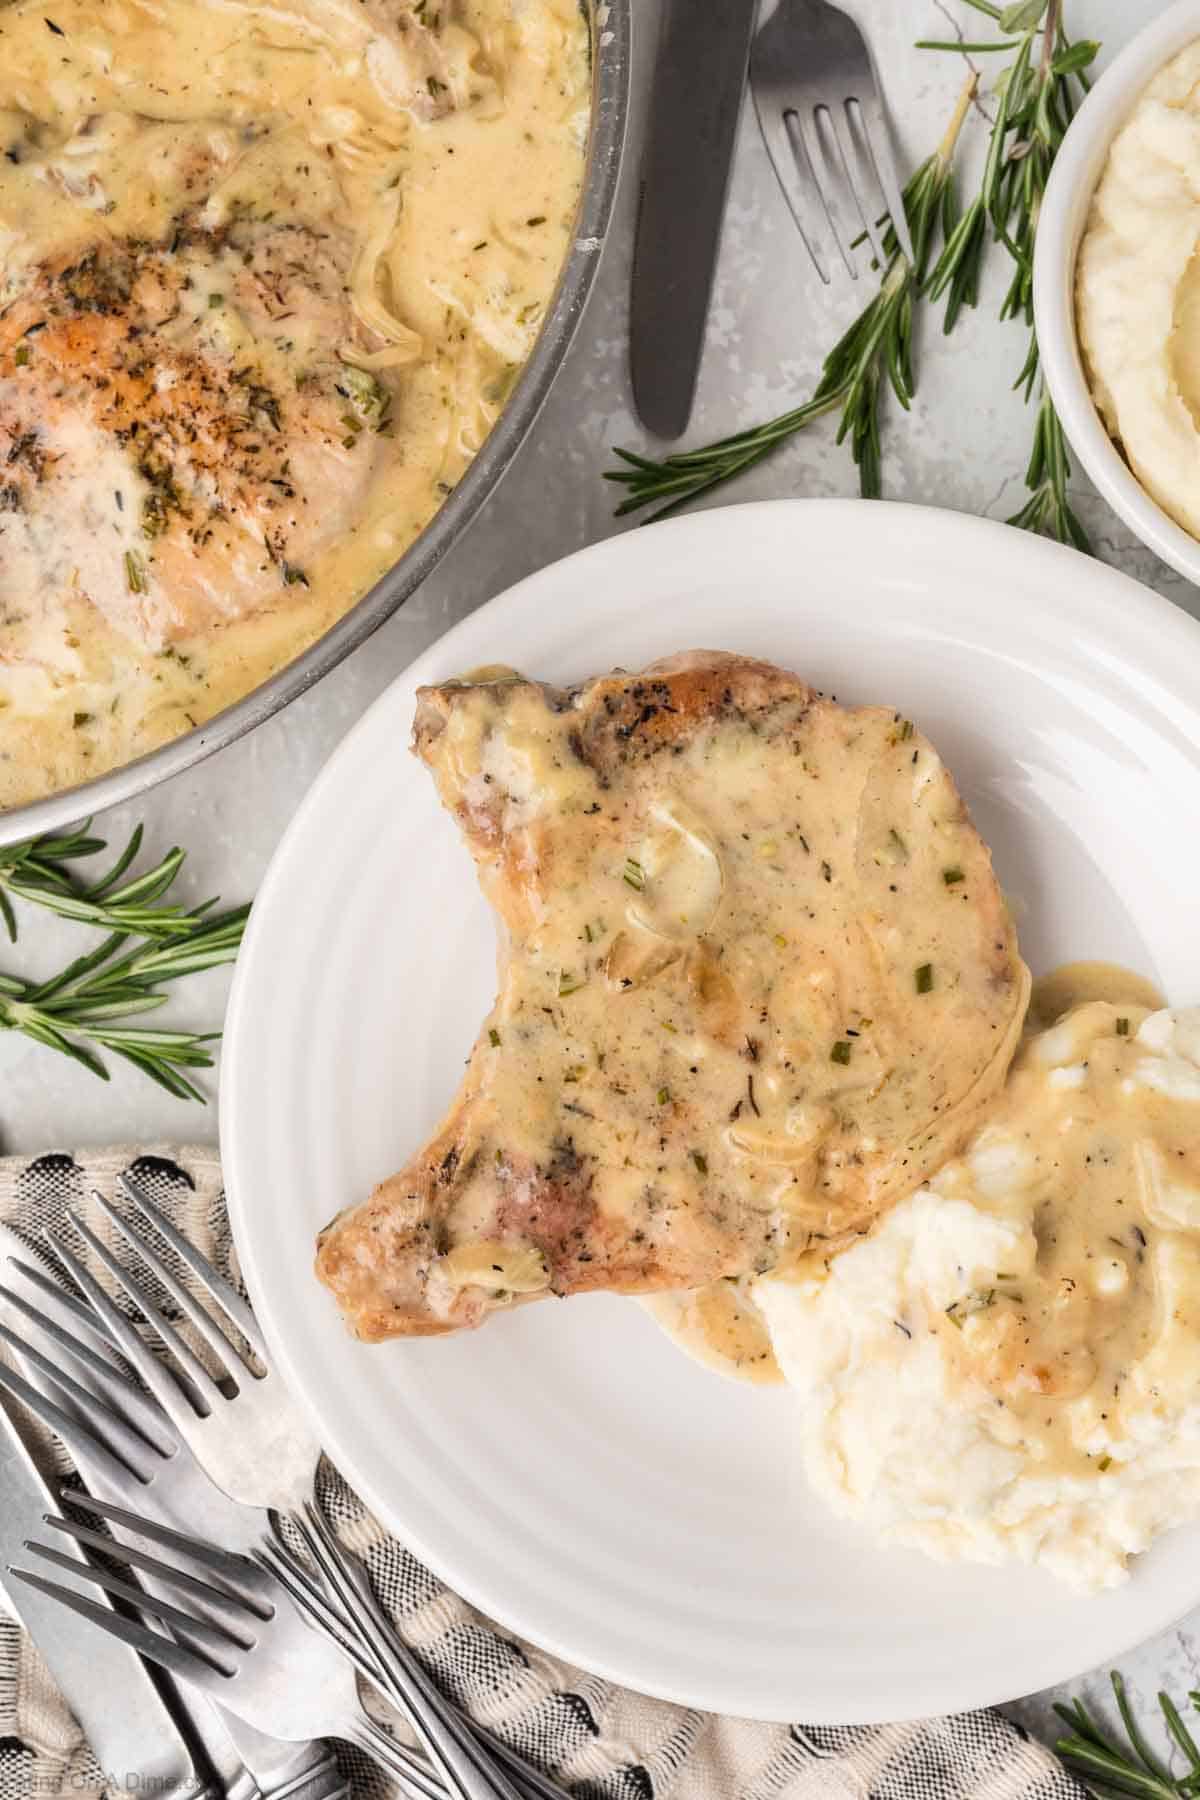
(924, 978)
(840, 1052)
(953, 876)
(494, 1037)
(135, 573)
(664, 1096)
(634, 874)
(1122, 1027)
(701, 1161)
(570, 984)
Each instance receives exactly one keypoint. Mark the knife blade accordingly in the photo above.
(121, 1708)
(696, 102)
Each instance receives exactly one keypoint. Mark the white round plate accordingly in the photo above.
(567, 1469)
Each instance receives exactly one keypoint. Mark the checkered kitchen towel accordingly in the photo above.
(603, 1742)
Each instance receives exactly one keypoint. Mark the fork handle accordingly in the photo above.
(406, 1770)
(468, 1768)
(325, 1782)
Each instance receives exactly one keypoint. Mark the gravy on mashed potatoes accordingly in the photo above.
(1008, 1368)
(267, 274)
(1138, 290)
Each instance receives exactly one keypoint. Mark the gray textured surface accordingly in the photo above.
(964, 446)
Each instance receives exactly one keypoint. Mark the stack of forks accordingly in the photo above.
(204, 1473)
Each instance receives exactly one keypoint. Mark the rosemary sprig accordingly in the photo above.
(37, 871)
(1047, 510)
(91, 1004)
(1037, 96)
(874, 354)
(1111, 1768)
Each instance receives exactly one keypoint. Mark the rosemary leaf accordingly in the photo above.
(1131, 1768)
(39, 871)
(95, 1001)
(1037, 96)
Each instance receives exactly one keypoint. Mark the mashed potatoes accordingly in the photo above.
(1009, 1368)
(1138, 290)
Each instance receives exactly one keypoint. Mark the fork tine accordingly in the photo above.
(203, 1321)
(73, 1434)
(799, 185)
(110, 1383)
(832, 181)
(189, 1664)
(229, 1563)
(878, 140)
(208, 1635)
(79, 1310)
(119, 1551)
(871, 197)
(859, 171)
(126, 1443)
(222, 1291)
(162, 1384)
(205, 1394)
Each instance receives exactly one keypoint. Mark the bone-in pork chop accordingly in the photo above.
(760, 981)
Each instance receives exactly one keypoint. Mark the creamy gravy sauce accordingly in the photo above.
(432, 163)
(1093, 1153)
(1092, 1200)
(1076, 983)
(721, 1327)
(732, 944)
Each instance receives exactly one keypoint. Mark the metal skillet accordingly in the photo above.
(609, 23)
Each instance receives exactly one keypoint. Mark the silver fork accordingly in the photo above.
(225, 1637)
(131, 1452)
(247, 1433)
(821, 116)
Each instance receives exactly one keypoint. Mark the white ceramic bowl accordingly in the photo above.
(1072, 183)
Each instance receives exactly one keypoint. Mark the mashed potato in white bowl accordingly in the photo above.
(1008, 1369)
(1138, 289)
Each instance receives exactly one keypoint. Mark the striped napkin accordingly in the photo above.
(603, 1742)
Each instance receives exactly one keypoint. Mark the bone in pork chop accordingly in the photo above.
(760, 982)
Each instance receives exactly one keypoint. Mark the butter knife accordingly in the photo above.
(124, 1712)
(695, 103)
